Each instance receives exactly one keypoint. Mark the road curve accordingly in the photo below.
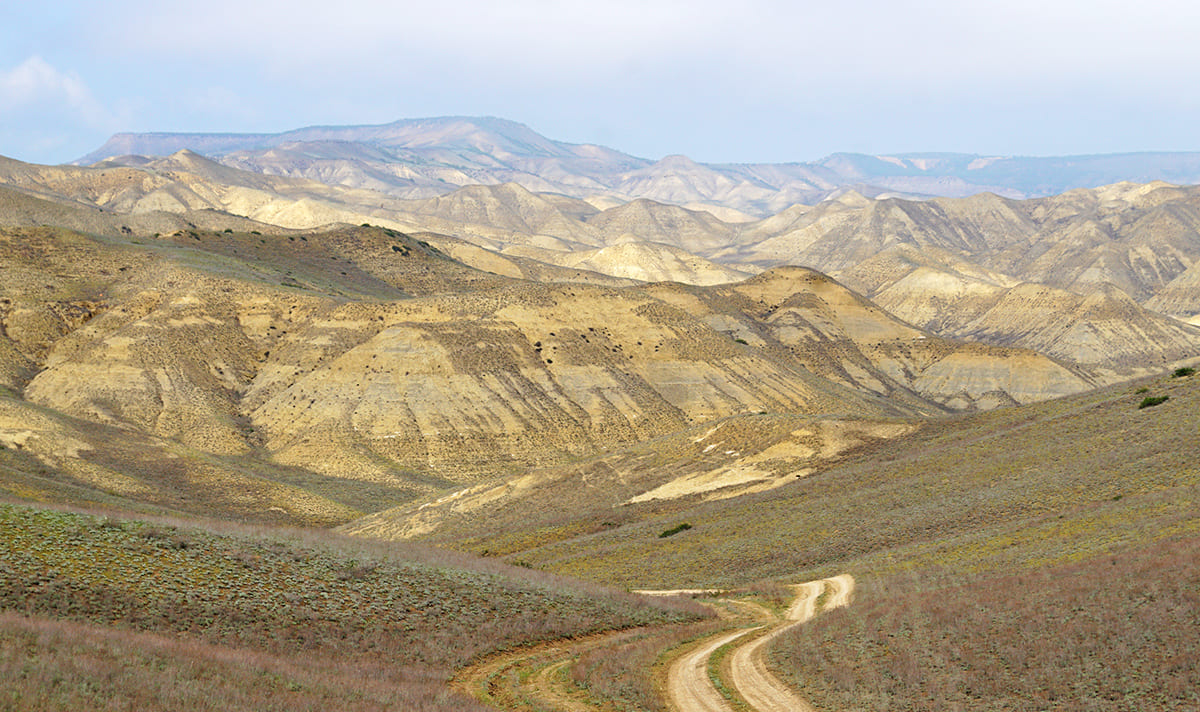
(690, 689)
(841, 589)
(688, 684)
(537, 671)
(748, 666)
(805, 605)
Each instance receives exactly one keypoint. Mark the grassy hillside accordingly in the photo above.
(294, 610)
(1033, 486)
(1113, 632)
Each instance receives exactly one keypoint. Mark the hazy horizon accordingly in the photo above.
(760, 82)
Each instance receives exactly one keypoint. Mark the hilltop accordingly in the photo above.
(1097, 278)
(418, 158)
(330, 371)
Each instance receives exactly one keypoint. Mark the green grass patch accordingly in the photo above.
(715, 665)
(674, 530)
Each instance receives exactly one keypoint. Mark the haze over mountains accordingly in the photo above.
(427, 157)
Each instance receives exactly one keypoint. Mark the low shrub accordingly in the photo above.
(1151, 401)
(675, 530)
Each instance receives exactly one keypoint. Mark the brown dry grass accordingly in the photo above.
(1116, 632)
(304, 610)
(1028, 486)
(620, 677)
(58, 665)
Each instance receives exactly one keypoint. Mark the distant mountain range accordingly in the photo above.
(422, 158)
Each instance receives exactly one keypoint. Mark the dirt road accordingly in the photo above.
(841, 588)
(536, 676)
(688, 684)
(690, 689)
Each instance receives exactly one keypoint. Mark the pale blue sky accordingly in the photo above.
(756, 80)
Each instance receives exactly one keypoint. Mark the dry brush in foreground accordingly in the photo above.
(90, 601)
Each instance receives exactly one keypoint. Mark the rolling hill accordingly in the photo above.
(290, 363)
(1089, 249)
(933, 396)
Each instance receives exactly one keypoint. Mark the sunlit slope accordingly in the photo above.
(368, 356)
(787, 314)
(1026, 486)
(1104, 331)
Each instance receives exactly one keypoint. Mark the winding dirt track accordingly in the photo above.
(748, 666)
(688, 684)
(535, 675)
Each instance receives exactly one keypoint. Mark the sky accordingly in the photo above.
(747, 81)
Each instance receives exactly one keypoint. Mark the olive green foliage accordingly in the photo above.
(675, 530)
(309, 599)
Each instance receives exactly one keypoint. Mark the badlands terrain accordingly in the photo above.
(398, 417)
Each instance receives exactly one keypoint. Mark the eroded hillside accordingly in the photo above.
(1098, 278)
(386, 370)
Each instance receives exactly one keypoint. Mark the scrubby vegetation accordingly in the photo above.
(674, 530)
(1029, 486)
(619, 674)
(58, 665)
(1114, 633)
(396, 615)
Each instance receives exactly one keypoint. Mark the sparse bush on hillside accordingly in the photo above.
(675, 530)
(1151, 401)
(1183, 372)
